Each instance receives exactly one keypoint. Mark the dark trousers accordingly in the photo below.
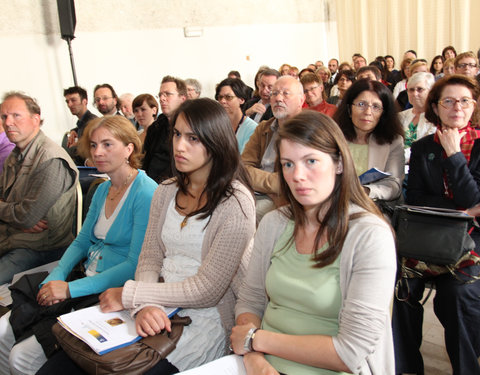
(61, 364)
(457, 307)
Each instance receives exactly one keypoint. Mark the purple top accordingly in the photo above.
(5, 148)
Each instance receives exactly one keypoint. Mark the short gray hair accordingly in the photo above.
(195, 84)
(428, 78)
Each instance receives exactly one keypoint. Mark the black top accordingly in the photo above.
(157, 161)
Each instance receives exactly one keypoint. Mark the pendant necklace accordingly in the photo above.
(120, 189)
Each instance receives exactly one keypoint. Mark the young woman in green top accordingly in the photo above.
(316, 298)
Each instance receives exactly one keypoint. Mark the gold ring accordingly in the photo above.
(45, 296)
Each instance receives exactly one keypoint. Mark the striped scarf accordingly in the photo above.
(466, 145)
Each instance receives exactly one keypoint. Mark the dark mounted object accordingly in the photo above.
(68, 21)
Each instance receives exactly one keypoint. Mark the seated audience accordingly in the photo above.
(284, 69)
(194, 88)
(315, 95)
(305, 71)
(106, 100)
(405, 73)
(369, 72)
(413, 119)
(393, 75)
(77, 100)
(444, 173)
(370, 124)
(466, 63)
(449, 52)
(6, 146)
(258, 108)
(126, 107)
(232, 93)
(37, 191)
(325, 75)
(110, 240)
(157, 163)
(436, 67)
(259, 154)
(198, 239)
(449, 67)
(145, 109)
(317, 295)
(415, 67)
(343, 81)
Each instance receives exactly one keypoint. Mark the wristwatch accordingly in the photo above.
(248, 343)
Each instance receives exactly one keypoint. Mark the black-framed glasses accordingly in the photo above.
(465, 65)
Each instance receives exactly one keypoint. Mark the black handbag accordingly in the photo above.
(432, 235)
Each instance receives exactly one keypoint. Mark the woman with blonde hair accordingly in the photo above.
(110, 241)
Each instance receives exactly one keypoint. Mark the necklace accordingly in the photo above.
(120, 189)
(184, 223)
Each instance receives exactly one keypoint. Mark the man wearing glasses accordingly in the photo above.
(259, 109)
(173, 92)
(106, 100)
(286, 100)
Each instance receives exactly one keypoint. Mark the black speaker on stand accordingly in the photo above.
(68, 21)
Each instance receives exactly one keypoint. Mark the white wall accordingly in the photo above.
(135, 61)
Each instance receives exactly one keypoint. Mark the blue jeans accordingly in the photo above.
(19, 260)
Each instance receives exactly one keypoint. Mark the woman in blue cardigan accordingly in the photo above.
(110, 239)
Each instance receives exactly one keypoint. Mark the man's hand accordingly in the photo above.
(37, 228)
(72, 139)
(256, 108)
(111, 300)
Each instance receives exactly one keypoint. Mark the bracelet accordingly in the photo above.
(248, 343)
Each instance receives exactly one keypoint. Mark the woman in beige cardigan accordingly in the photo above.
(369, 121)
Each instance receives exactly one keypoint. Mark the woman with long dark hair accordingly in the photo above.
(317, 295)
(369, 121)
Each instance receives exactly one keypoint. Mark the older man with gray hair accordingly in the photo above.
(194, 88)
(286, 100)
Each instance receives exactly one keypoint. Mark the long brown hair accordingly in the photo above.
(318, 131)
(210, 122)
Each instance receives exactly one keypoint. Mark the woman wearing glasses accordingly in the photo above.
(444, 172)
(370, 124)
(413, 119)
(232, 93)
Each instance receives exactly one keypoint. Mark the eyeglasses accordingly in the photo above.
(228, 98)
(449, 103)
(465, 65)
(363, 106)
(286, 94)
(102, 98)
(310, 89)
(165, 94)
(417, 89)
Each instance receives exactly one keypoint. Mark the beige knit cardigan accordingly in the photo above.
(226, 251)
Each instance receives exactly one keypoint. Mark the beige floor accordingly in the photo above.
(433, 347)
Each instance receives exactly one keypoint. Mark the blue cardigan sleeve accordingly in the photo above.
(78, 249)
(131, 221)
